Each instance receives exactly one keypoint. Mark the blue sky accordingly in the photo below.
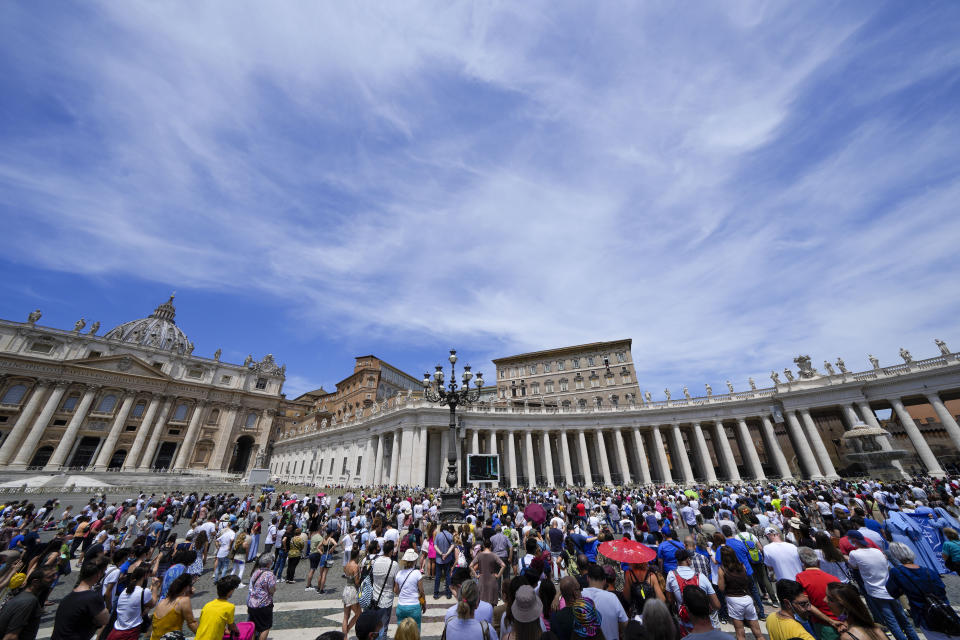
(729, 184)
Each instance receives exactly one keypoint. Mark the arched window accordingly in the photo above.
(107, 404)
(71, 403)
(214, 417)
(582, 403)
(14, 394)
(548, 386)
(138, 409)
(181, 412)
(251, 420)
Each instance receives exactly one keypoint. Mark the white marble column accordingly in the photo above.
(947, 420)
(224, 435)
(584, 459)
(726, 453)
(142, 434)
(660, 451)
(367, 466)
(475, 441)
(378, 467)
(531, 463)
(681, 452)
(406, 459)
(23, 421)
(511, 457)
(604, 461)
(916, 438)
(819, 448)
(748, 449)
(548, 457)
(802, 447)
(146, 462)
(423, 440)
(495, 449)
(641, 453)
(706, 461)
(106, 451)
(774, 451)
(621, 457)
(565, 458)
(190, 440)
(395, 457)
(59, 457)
(25, 453)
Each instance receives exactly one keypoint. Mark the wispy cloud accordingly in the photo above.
(730, 184)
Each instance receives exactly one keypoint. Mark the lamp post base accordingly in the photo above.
(450, 506)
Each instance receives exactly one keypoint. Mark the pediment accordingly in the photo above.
(121, 363)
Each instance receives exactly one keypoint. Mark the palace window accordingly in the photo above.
(590, 361)
(14, 394)
(261, 383)
(214, 417)
(594, 382)
(71, 403)
(332, 460)
(582, 403)
(610, 379)
(560, 365)
(535, 388)
(579, 383)
(138, 409)
(503, 393)
(532, 369)
(41, 347)
(614, 400)
(503, 374)
(548, 386)
(576, 363)
(621, 356)
(546, 367)
(343, 471)
(107, 404)
(625, 378)
(564, 384)
(565, 404)
(130, 427)
(226, 379)
(181, 412)
(359, 460)
(251, 420)
(194, 373)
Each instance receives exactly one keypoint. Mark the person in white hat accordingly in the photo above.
(408, 585)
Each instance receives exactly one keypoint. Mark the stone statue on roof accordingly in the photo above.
(34, 316)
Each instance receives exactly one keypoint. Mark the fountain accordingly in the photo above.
(870, 448)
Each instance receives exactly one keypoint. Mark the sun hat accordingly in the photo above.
(410, 555)
(586, 618)
(526, 605)
(795, 522)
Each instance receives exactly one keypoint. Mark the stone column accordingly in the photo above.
(773, 449)
(224, 436)
(916, 438)
(190, 440)
(423, 441)
(475, 441)
(641, 456)
(681, 453)
(378, 467)
(406, 457)
(704, 454)
(565, 461)
(531, 464)
(602, 454)
(106, 451)
(819, 448)
(512, 457)
(59, 457)
(395, 457)
(947, 420)
(23, 421)
(143, 432)
(367, 467)
(548, 458)
(726, 453)
(146, 462)
(25, 453)
(584, 459)
(495, 449)
(621, 456)
(749, 451)
(807, 462)
(660, 451)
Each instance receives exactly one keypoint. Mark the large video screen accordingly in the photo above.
(482, 467)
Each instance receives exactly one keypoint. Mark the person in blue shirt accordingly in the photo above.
(743, 555)
(667, 551)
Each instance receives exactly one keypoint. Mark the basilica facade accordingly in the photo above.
(133, 399)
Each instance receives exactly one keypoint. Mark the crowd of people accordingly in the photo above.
(812, 560)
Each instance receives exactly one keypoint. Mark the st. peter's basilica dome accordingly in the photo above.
(158, 330)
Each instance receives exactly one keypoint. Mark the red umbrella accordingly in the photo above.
(535, 513)
(628, 551)
(288, 503)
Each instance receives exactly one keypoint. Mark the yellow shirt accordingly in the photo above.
(214, 618)
(778, 628)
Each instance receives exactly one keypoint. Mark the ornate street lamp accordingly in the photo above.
(452, 396)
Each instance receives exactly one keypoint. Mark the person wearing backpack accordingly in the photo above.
(930, 608)
(755, 552)
(640, 583)
(684, 576)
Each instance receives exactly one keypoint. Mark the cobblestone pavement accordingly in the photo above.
(300, 614)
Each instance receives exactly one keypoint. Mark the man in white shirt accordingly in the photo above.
(613, 617)
(271, 538)
(781, 556)
(686, 573)
(384, 570)
(224, 544)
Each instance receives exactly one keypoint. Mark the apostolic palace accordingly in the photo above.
(136, 399)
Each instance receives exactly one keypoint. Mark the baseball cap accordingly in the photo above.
(771, 531)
